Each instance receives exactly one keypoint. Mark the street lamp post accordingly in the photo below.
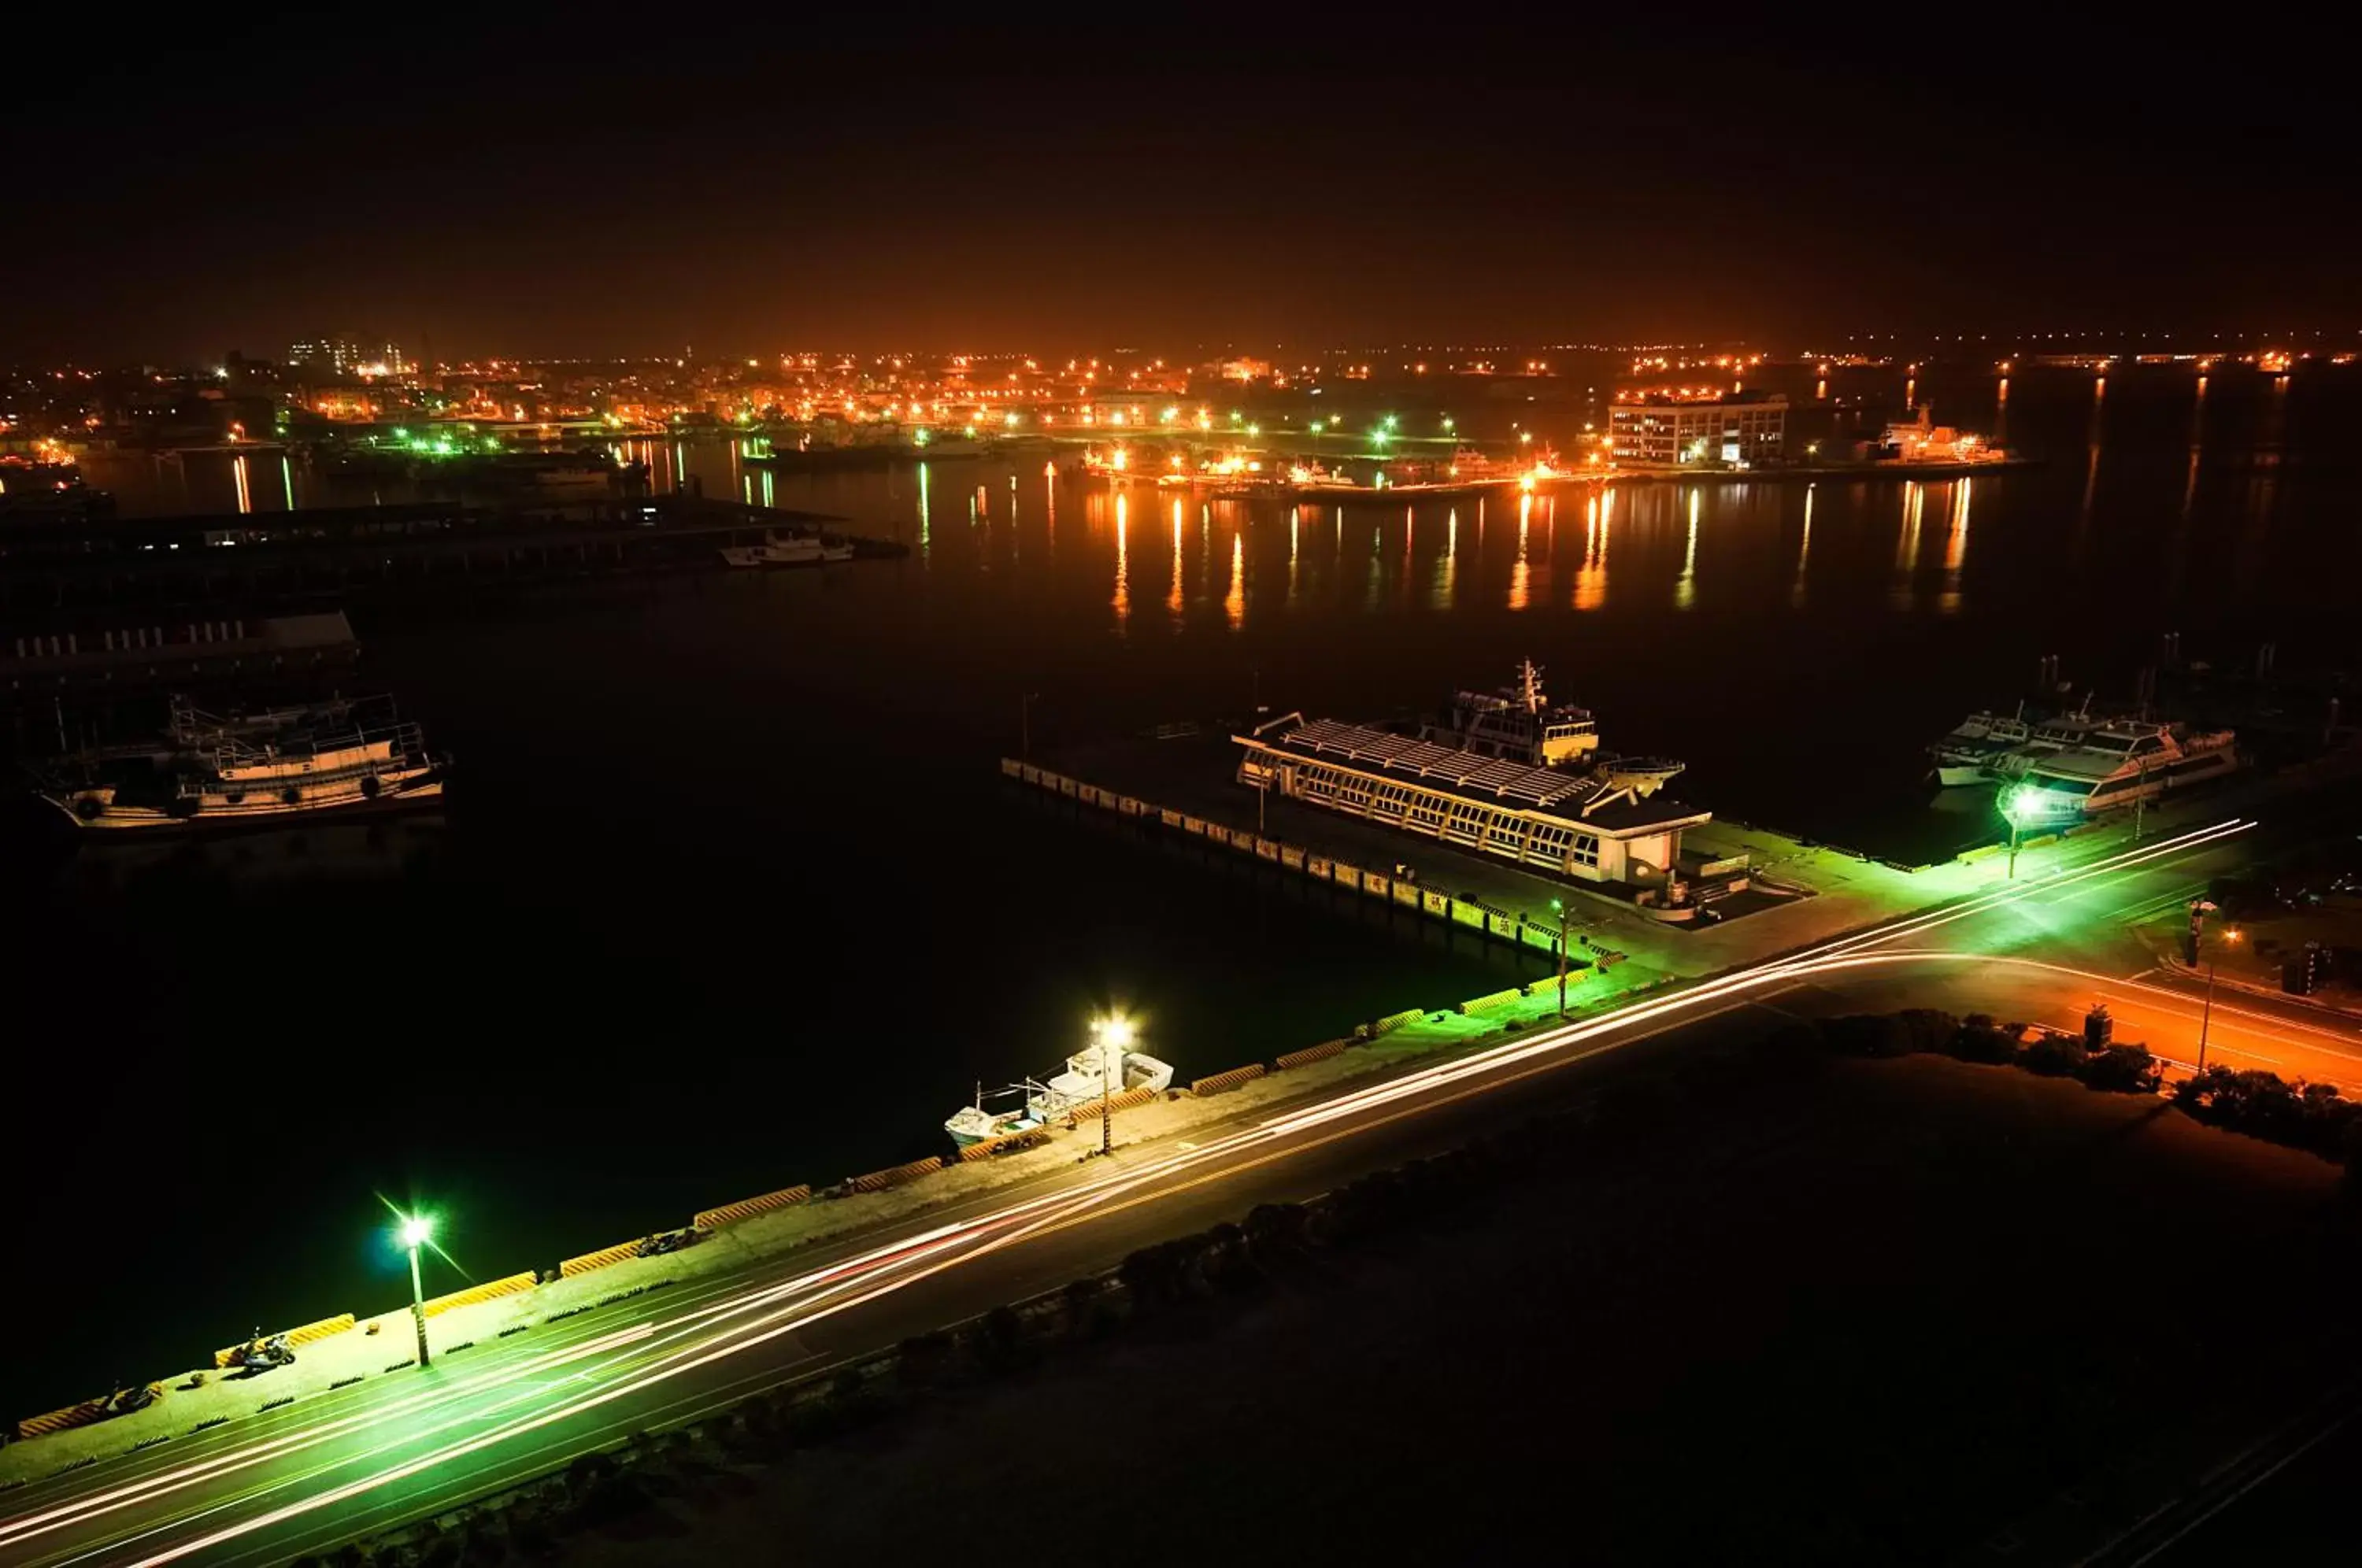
(2014, 808)
(2198, 913)
(1114, 1033)
(1560, 905)
(415, 1230)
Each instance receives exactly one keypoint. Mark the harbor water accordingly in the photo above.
(730, 894)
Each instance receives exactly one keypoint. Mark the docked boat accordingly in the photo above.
(2063, 731)
(1518, 722)
(1107, 1066)
(2116, 764)
(995, 1115)
(210, 772)
(786, 550)
(1509, 773)
(1962, 757)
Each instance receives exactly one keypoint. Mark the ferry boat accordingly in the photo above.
(786, 550)
(1088, 1074)
(2063, 731)
(1518, 722)
(1509, 773)
(2117, 764)
(275, 768)
(1962, 757)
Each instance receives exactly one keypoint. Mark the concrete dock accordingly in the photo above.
(1823, 892)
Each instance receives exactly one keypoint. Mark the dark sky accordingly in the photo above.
(748, 180)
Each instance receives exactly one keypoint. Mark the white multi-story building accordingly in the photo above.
(1734, 431)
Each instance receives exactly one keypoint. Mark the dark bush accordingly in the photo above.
(1877, 1034)
(1276, 1231)
(2120, 1070)
(2053, 1055)
(1927, 1030)
(925, 1359)
(1980, 1040)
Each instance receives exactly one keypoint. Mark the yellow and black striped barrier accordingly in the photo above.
(1493, 1002)
(64, 1420)
(746, 1208)
(1311, 1054)
(1221, 1082)
(491, 1290)
(600, 1259)
(878, 1181)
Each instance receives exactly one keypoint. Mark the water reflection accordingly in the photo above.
(1295, 525)
(1956, 548)
(245, 495)
(1803, 551)
(1590, 576)
(925, 530)
(1906, 544)
(1173, 598)
(1521, 574)
(1685, 587)
(1447, 566)
(1234, 603)
(1122, 560)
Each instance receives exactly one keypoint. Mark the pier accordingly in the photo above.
(58, 570)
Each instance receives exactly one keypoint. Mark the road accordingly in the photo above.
(344, 1464)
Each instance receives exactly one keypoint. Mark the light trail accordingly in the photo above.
(889, 1267)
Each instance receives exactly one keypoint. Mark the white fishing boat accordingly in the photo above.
(1962, 757)
(2116, 764)
(786, 550)
(272, 769)
(993, 1115)
(1108, 1065)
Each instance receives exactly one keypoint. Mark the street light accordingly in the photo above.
(416, 1230)
(1113, 1033)
(1559, 907)
(2199, 911)
(2020, 805)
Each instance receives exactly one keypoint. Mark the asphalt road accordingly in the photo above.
(345, 1463)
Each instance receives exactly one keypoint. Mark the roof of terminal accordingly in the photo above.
(1494, 780)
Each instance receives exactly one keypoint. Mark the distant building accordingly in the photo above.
(1738, 430)
(347, 354)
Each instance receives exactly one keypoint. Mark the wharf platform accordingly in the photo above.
(1823, 892)
(81, 567)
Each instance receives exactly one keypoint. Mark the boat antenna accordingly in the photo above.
(1530, 686)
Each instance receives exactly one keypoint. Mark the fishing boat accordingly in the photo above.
(786, 550)
(1107, 1066)
(209, 772)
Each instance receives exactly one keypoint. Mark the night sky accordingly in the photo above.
(563, 184)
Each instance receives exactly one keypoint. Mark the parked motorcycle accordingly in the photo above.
(123, 1401)
(665, 1242)
(260, 1354)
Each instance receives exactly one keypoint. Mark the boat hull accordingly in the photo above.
(114, 822)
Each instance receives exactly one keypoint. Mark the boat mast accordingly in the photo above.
(1530, 686)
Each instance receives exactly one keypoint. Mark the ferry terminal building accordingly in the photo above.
(1610, 827)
